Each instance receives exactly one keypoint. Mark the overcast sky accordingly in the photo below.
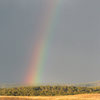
(74, 55)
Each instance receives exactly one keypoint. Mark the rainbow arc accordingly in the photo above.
(40, 51)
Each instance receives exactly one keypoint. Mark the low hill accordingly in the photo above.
(89, 84)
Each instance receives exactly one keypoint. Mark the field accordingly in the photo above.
(70, 97)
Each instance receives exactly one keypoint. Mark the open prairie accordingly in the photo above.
(70, 97)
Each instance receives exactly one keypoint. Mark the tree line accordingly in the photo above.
(47, 91)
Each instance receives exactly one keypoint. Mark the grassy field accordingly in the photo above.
(70, 97)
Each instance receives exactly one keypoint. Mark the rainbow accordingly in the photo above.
(40, 53)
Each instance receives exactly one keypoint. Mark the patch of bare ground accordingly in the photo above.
(70, 97)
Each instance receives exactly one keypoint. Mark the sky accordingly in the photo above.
(74, 55)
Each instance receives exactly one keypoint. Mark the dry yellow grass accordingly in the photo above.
(70, 97)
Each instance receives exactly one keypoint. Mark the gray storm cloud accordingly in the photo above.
(75, 50)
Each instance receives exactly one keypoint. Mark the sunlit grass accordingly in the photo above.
(70, 97)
